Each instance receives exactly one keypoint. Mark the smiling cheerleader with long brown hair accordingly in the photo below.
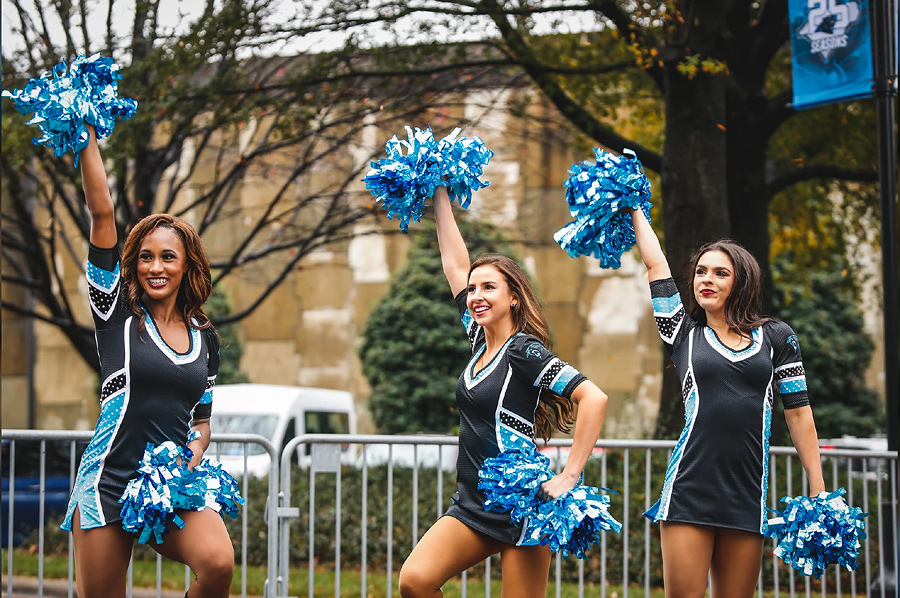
(159, 358)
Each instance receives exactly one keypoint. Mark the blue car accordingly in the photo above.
(26, 486)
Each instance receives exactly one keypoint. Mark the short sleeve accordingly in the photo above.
(473, 330)
(203, 408)
(104, 285)
(787, 361)
(671, 318)
(533, 363)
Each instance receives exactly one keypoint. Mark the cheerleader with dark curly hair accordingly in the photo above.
(159, 358)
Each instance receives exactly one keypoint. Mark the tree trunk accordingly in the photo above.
(748, 199)
(694, 190)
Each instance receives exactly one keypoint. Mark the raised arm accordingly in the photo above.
(648, 245)
(96, 193)
(454, 255)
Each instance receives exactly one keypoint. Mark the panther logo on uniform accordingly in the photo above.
(535, 350)
(792, 341)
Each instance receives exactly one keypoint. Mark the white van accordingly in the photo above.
(278, 413)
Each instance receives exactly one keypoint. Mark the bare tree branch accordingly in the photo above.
(575, 112)
(820, 171)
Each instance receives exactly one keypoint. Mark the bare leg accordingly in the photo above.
(447, 549)
(101, 559)
(736, 562)
(687, 551)
(525, 570)
(204, 546)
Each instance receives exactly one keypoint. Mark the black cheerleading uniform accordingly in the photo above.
(496, 412)
(150, 393)
(718, 473)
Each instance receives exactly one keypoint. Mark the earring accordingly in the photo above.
(514, 303)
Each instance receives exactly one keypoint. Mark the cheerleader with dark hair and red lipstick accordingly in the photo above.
(731, 361)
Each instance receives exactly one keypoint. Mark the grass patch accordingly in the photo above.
(25, 564)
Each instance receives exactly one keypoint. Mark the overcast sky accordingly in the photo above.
(174, 13)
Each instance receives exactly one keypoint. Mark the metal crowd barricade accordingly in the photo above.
(869, 476)
(628, 563)
(74, 437)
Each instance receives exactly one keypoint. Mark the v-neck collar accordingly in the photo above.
(471, 377)
(176, 357)
(727, 352)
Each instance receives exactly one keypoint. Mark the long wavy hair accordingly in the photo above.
(196, 285)
(743, 306)
(528, 317)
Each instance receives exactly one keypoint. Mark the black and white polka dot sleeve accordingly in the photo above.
(104, 285)
(672, 320)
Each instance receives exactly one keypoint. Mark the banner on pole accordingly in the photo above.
(831, 50)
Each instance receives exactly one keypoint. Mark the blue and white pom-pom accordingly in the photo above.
(463, 161)
(164, 484)
(64, 100)
(402, 182)
(571, 523)
(814, 532)
(598, 194)
(511, 482)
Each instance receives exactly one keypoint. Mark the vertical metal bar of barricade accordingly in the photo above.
(603, 538)
(824, 578)
(647, 524)
(390, 522)
(804, 490)
(868, 541)
(278, 531)
(559, 575)
(364, 523)
(580, 578)
(131, 577)
(625, 483)
(9, 518)
(894, 521)
(312, 527)
(837, 567)
(415, 498)
(158, 575)
(881, 573)
(893, 468)
(851, 503)
(283, 494)
(789, 492)
(42, 497)
(245, 483)
(337, 535)
(557, 556)
(487, 577)
(71, 556)
(790, 485)
(440, 481)
(773, 503)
